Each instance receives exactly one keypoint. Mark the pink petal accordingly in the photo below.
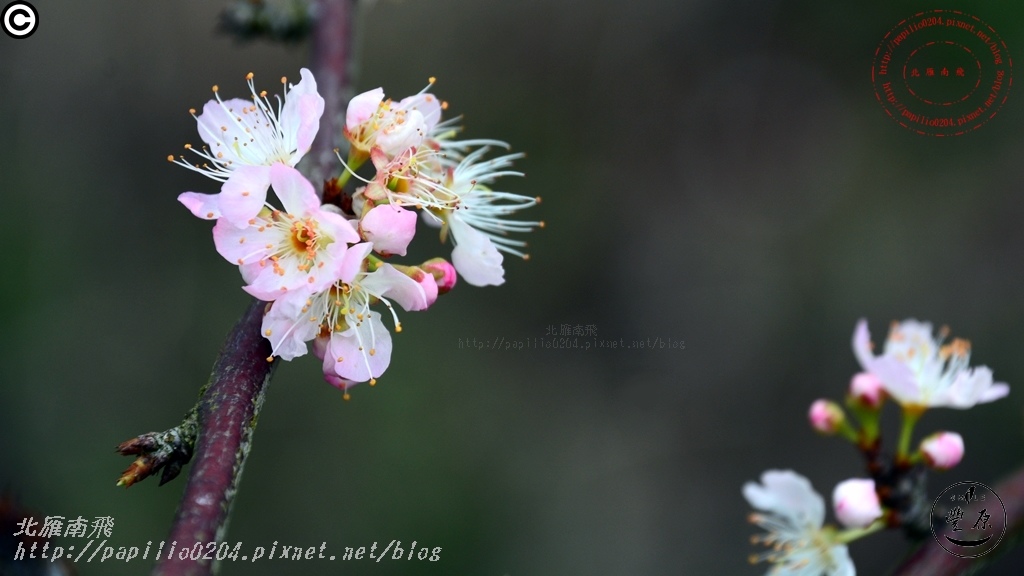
(390, 228)
(352, 262)
(296, 193)
(897, 378)
(363, 107)
(353, 347)
(388, 282)
(429, 285)
(204, 206)
(427, 104)
(244, 194)
(337, 227)
(288, 328)
(240, 246)
(301, 113)
(862, 344)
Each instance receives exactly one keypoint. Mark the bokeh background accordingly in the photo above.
(713, 171)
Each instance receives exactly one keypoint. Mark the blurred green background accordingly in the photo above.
(717, 172)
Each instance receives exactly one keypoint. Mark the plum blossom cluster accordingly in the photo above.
(916, 369)
(325, 263)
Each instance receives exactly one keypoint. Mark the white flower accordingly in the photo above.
(244, 138)
(918, 370)
(476, 215)
(793, 519)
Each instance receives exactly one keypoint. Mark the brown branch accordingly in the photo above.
(929, 559)
(226, 418)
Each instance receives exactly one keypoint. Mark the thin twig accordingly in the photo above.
(226, 417)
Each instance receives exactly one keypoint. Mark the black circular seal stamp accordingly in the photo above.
(942, 73)
(968, 519)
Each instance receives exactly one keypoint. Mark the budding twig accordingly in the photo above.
(226, 417)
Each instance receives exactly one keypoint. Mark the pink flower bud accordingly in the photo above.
(943, 450)
(389, 227)
(856, 502)
(443, 272)
(867, 389)
(826, 416)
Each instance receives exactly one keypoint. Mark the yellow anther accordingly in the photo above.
(249, 76)
(268, 332)
(215, 88)
(170, 158)
(373, 381)
(431, 79)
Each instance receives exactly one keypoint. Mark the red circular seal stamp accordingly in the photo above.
(942, 73)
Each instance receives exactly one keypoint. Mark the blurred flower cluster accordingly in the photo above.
(917, 371)
(323, 260)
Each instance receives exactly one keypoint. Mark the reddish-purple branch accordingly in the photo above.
(226, 416)
(930, 559)
(229, 406)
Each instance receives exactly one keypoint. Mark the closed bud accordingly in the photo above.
(943, 450)
(856, 503)
(867, 390)
(826, 416)
(443, 272)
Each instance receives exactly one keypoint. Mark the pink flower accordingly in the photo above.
(243, 140)
(916, 369)
(826, 416)
(299, 248)
(389, 228)
(867, 389)
(943, 450)
(351, 339)
(371, 121)
(856, 503)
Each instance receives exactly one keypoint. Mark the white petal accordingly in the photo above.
(474, 256)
